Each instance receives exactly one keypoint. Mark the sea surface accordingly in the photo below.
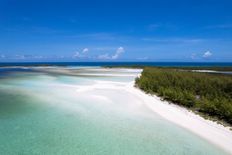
(160, 64)
(84, 110)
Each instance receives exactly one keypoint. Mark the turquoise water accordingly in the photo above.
(42, 113)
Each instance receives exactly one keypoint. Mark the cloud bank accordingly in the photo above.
(207, 54)
(115, 56)
(82, 54)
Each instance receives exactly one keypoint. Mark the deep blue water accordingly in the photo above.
(160, 64)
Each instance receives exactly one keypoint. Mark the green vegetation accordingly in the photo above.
(209, 94)
(214, 68)
(188, 68)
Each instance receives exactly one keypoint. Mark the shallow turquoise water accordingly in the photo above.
(41, 113)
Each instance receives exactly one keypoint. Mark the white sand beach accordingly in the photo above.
(211, 131)
(89, 110)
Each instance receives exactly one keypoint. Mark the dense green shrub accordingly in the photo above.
(207, 93)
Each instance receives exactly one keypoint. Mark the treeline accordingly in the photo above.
(187, 68)
(215, 68)
(210, 94)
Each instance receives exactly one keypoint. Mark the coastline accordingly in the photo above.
(214, 133)
(211, 131)
(109, 98)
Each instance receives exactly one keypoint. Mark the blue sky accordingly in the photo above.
(155, 30)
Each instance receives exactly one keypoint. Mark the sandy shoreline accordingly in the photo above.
(209, 130)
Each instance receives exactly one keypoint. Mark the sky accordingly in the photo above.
(110, 30)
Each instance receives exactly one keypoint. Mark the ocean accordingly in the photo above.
(160, 64)
(85, 110)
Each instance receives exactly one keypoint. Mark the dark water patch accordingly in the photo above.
(18, 69)
(14, 103)
(10, 72)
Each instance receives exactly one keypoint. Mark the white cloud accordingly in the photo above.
(82, 54)
(207, 54)
(119, 51)
(85, 50)
(116, 55)
(77, 55)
